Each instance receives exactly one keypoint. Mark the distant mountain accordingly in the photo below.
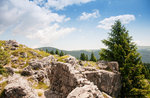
(75, 53)
(143, 50)
(145, 53)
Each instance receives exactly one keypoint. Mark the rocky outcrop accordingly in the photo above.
(18, 88)
(27, 71)
(86, 91)
(67, 80)
(23, 54)
(10, 70)
(71, 60)
(113, 66)
(106, 81)
(13, 44)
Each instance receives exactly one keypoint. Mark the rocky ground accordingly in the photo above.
(32, 73)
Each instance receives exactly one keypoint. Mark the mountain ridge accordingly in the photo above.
(143, 50)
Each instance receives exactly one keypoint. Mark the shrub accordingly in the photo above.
(4, 57)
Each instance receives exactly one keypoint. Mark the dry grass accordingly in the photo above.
(40, 94)
(40, 85)
(2, 86)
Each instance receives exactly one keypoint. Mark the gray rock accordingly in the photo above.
(10, 70)
(36, 64)
(12, 43)
(27, 71)
(67, 79)
(14, 60)
(106, 81)
(40, 75)
(72, 60)
(47, 61)
(13, 48)
(114, 66)
(2, 47)
(18, 87)
(33, 53)
(23, 54)
(87, 91)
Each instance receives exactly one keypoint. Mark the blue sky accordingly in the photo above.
(72, 24)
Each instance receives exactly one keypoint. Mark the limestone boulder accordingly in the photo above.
(33, 53)
(114, 66)
(106, 81)
(35, 64)
(14, 60)
(40, 75)
(72, 60)
(23, 54)
(47, 61)
(10, 70)
(87, 91)
(18, 87)
(27, 71)
(13, 48)
(12, 43)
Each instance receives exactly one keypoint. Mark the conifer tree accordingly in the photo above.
(82, 57)
(57, 52)
(122, 49)
(47, 50)
(52, 52)
(61, 53)
(93, 58)
(87, 58)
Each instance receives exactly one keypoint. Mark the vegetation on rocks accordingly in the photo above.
(2, 86)
(4, 55)
(40, 85)
(122, 49)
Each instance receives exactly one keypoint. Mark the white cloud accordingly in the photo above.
(86, 16)
(46, 36)
(108, 22)
(25, 17)
(60, 4)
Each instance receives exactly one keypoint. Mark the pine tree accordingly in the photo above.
(122, 49)
(93, 58)
(82, 57)
(61, 53)
(47, 50)
(87, 58)
(52, 52)
(57, 52)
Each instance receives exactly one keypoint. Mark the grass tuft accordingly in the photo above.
(40, 85)
(40, 94)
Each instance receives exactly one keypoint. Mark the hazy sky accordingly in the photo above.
(72, 24)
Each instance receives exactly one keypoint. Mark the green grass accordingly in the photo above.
(40, 85)
(2, 86)
(14, 65)
(3, 71)
(61, 58)
(18, 72)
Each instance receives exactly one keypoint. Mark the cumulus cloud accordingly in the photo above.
(86, 16)
(108, 22)
(26, 17)
(60, 4)
(45, 36)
